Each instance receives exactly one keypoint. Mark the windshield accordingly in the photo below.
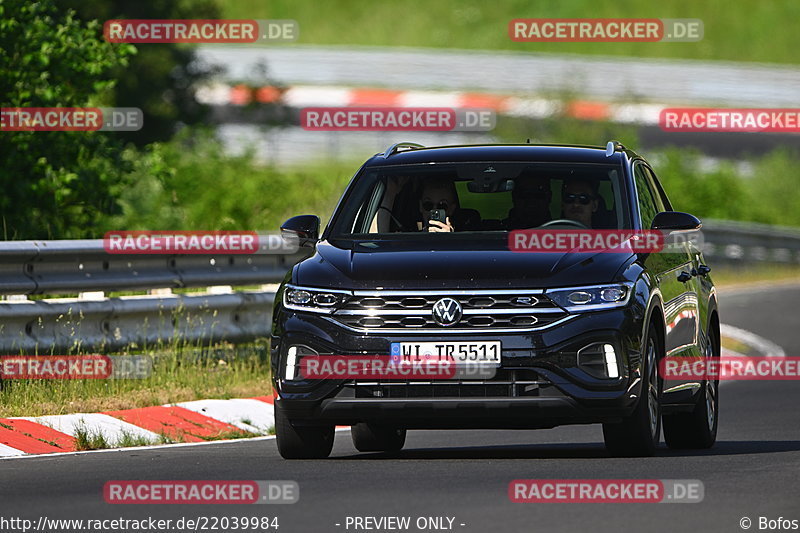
(482, 197)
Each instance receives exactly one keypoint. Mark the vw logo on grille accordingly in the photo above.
(447, 312)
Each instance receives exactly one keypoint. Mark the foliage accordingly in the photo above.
(161, 78)
(55, 184)
(768, 195)
(191, 184)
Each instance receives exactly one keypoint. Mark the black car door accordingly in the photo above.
(672, 274)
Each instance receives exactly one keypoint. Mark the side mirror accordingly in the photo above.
(675, 221)
(303, 228)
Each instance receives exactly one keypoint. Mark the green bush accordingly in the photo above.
(719, 193)
(190, 184)
(770, 195)
(55, 184)
(775, 189)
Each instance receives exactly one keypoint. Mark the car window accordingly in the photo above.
(659, 190)
(649, 207)
(482, 197)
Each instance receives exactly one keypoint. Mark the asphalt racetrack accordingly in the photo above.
(753, 471)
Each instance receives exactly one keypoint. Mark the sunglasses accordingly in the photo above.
(583, 199)
(428, 205)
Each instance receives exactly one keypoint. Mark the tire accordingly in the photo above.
(697, 430)
(638, 435)
(374, 438)
(302, 442)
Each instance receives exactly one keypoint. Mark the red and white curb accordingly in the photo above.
(512, 105)
(196, 421)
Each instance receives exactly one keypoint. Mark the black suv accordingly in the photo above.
(417, 254)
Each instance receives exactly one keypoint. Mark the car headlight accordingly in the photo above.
(593, 298)
(310, 299)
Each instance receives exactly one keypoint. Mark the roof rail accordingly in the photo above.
(396, 148)
(612, 147)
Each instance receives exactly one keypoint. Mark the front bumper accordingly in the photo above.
(565, 393)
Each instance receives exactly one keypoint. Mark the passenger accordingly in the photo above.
(437, 194)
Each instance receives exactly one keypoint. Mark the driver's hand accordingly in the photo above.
(434, 226)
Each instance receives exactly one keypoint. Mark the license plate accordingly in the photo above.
(483, 353)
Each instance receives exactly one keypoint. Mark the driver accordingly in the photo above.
(437, 194)
(579, 201)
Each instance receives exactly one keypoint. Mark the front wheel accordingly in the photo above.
(698, 429)
(300, 442)
(638, 435)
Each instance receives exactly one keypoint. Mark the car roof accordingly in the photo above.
(499, 152)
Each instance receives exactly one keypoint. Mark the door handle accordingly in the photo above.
(684, 276)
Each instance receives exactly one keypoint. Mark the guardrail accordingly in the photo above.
(90, 320)
(745, 243)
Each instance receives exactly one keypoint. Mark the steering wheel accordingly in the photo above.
(394, 218)
(564, 221)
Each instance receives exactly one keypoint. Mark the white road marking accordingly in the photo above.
(254, 416)
(765, 347)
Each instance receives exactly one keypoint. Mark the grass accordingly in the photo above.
(231, 435)
(733, 31)
(87, 439)
(736, 346)
(180, 373)
(729, 277)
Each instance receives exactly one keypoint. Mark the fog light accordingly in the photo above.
(599, 360)
(291, 363)
(611, 361)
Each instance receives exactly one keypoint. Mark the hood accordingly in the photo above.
(487, 265)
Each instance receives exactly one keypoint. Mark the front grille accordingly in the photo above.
(408, 311)
(507, 383)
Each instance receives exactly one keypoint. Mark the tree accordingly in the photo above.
(160, 79)
(56, 184)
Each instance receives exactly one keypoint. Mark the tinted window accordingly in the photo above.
(482, 197)
(648, 205)
(658, 190)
